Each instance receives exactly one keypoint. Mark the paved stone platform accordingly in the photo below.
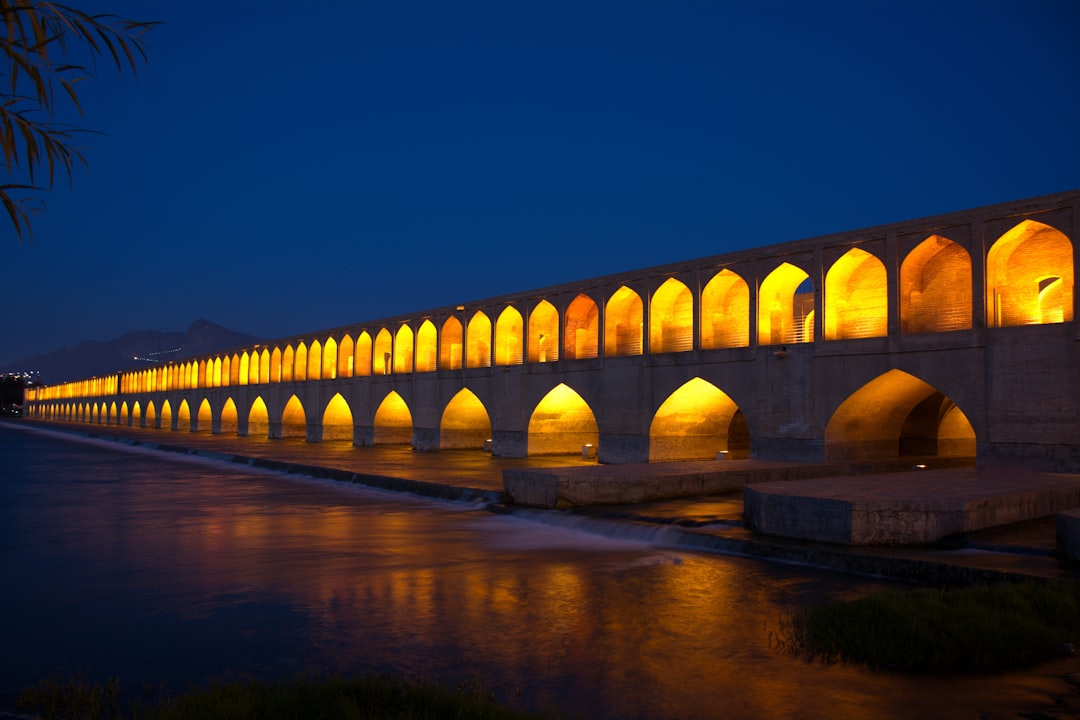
(910, 508)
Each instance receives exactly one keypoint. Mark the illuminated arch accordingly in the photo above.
(478, 341)
(258, 423)
(465, 422)
(166, 415)
(362, 366)
(671, 318)
(313, 371)
(856, 297)
(346, 359)
(393, 421)
(427, 347)
(206, 371)
(229, 418)
(1029, 277)
(509, 337)
(725, 312)
(293, 419)
(114, 416)
(244, 372)
(151, 415)
(275, 366)
(136, 414)
(300, 362)
(183, 415)
(561, 423)
(124, 418)
(234, 370)
(383, 355)
(329, 360)
(450, 344)
(216, 374)
(897, 414)
(623, 323)
(403, 349)
(264, 366)
(696, 422)
(204, 421)
(543, 333)
(935, 287)
(786, 307)
(581, 336)
(253, 368)
(337, 420)
(287, 361)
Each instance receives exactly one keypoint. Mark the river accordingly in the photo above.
(167, 570)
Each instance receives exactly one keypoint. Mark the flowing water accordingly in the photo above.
(167, 570)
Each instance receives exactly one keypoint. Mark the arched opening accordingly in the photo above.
(383, 355)
(245, 368)
(300, 362)
(623, 323)
(450, 344)
(206, 374)
(786, 307)
(393, 421)
(204, 421)
(123, 419)
(935, 287)
(427, 347)
(329, 360)
(561, 424)
(671, 318)
(696, 422)
(345, 357)
(337, 420)
(362, 366)
(543, 333)
(478, 341)
(275, 366)
(896, 415)
(287, 360)
(294, 419)
(1017, 268)
(166, 415)
(234, 370)
(258, 419)
(509, 338)
(465, 422)
(725, 312)
(151, 415)
(183, 416)
(229, 418)
(136, 414)
(403, 350)
(314, 361)
(856, 297)
(216, 379)
(581, 337)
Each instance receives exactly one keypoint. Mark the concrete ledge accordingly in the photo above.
(912, 508)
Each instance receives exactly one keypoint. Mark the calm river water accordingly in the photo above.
(164, 569)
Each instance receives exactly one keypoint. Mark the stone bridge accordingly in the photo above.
(949, 336)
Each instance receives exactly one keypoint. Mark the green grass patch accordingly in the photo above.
(978, 629)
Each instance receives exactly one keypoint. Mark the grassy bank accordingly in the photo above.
(964, 630)
(369, 698)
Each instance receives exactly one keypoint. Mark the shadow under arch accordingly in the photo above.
(465, 422)
(393, 421)
(337, 420)
(294, 419)
(895, 415)
(258, 418)
(561, 423)
(697, 421)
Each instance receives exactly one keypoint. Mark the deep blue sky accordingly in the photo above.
(285, 167)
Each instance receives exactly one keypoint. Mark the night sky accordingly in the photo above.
(280, 168)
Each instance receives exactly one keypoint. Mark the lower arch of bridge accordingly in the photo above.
(229, 418)
(125, 415)
(166, 415)
(696, 422)
(337, 420)
(113, 414)
(895, 415)
(151, 414)
(393, 421)
(258, 424)
(204, 422)
(561, 424)
(183, 416)
(465, 422)
(293, 419)
(136, 414)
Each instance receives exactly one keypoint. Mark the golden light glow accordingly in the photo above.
(478, 341)
(337, 419)
(300, 362)
(204, 420)
(509, 337)
(166, 414)
(329, 359)
(122, 419)
(346, 357)
(216, 377)
(229, 418)
(275, 366)
(856, 297)
(935, 287)
(403, 350)
(671, 318)
(561, 423)
(362, 366)
(313, 371)
(582, 331)
(234, 370)
(465, 422)
(287, 363)
(725, 312)
(151, 414)
(136, 413)
(294, 419)
(784, 303)
(393, 421)
(622, 323)
(694, 423)
(383, 356)
(956, 437)
(264, 366)
(244, 370)
(258, 419)
(427, 347)
(183, 415)
(450, 344)
(543, 333)
(1029, 277)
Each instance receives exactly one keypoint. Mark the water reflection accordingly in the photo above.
(153, 568)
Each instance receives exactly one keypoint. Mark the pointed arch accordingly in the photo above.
(561, 423)
(258, 424)
(114, 416)
(253, 368)
(244, 371)
(346, 358)
(151, 415)
(300, 362)
(581, 335)
(166, 415)
(897, 414)
(287, 360)
(427, 347)
(623, 316)
(451, 344)
(216, 379)
(393, 421)
(786, 307)
(856, 297)
(695, 422)
(671, 318)
(136, 414)
(229, 418)
(1029, 277)
(935, 287)
(206, 371)
(382, 358)
(314, 362)
(124, 418)
(725, 311)
(509, 337)
(329, 360)
(362, 366)
(465, 422)
(204, 420)
(293, 419)
(543, 344)
(403, 349)
(234, 370)
(183, 415)
(478, 341)
(337, 420)
(275, 365)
